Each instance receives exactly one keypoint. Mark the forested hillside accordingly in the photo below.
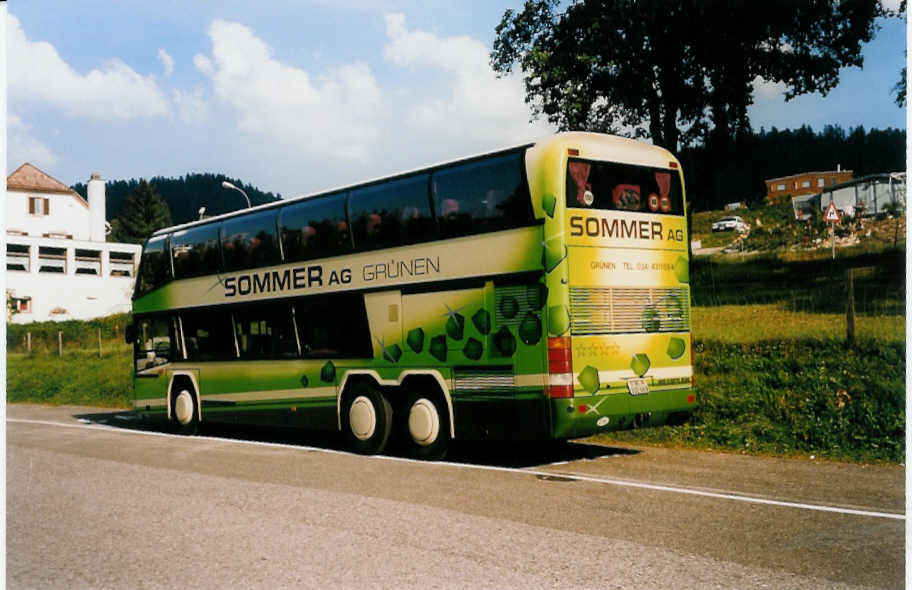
(185, 195)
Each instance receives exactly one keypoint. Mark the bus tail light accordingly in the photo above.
(560, 367)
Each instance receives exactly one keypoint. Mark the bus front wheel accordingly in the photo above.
(367, 418)
(184, 413)
(426, 426)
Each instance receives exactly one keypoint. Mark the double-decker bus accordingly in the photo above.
(536, 292)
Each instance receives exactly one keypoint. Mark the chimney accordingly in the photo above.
(838, 167)
(96, 195)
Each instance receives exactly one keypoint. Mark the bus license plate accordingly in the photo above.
(637, 386)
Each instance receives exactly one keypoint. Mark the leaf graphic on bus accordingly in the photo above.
(482, 321)
(504, 342)
(392, 353)
(438, 348)
(676, 348)
(530, 329)
(304, 380)
(682, 270)
(640, 364)
(549, 203)
(589, 379)
(536, 295)
(473, 349)
(509, 307)
(415, 339)
(455, 326)
(558, 320)
(553, 253)
(328, 372)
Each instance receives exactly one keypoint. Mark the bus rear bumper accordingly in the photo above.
(587, 415)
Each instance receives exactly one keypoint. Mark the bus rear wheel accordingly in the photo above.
(184, 413)
(367, 419)
(426, 426)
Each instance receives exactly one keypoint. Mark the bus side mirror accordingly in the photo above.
(130, 333)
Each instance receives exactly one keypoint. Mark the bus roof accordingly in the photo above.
(619, 149)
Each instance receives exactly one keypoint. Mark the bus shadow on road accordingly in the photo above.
(511, 454)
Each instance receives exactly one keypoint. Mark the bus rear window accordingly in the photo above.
(623, 187)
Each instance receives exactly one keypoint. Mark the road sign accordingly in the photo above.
(831, 215)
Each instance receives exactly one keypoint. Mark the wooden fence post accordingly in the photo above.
(99, 342)
(28, 342)
(850, 309)
(59, 343)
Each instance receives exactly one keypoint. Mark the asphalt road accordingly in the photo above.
(98, 500)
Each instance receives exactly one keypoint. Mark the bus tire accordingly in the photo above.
(426, 426)
(367, 419)
(184, 411)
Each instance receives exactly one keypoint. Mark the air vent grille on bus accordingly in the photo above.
(512, 303)
(595, 310)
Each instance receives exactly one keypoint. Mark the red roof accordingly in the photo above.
(30, 178)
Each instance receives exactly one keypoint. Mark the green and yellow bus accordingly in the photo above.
(536, 292)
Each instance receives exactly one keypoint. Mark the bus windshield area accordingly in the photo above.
(623, 187)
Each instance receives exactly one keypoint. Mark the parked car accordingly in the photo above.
(730, 223)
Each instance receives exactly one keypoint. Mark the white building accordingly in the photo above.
(58, 264)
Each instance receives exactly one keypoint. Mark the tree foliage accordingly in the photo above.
(143, 213)
(185, 195)
(677, 71)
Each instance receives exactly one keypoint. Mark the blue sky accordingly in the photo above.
(304, 95)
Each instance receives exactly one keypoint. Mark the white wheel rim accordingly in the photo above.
(424, 422)
(362, 417)
(183, 407)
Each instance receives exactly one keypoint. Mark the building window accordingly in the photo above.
(780, 187)
(832, 180)
(51, 259)
(88, 262)
(805, 184)
(22, 304)
(39, 206)
(820, 181)
(17, 257)
(121, 264)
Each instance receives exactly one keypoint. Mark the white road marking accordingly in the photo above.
(568, 476)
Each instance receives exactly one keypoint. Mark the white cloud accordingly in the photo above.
(474, 100)
(37, 73)
(167, 61)
(22, 147)
(764, 89)
(333, 113)
(191, 106)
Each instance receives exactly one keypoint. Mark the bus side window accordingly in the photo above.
(250, 241)
(153, 345)
(196, 251)
(392, 214)
(333, 326)
(487, 195)
(208, 335)
(265, 332)
(314, 228)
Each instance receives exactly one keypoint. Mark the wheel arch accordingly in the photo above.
(179, 377)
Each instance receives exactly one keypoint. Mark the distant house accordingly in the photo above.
(58, 264)
(867, 196)
(805, 183)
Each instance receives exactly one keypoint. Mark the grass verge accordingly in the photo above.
(793, 396)
(77, 378)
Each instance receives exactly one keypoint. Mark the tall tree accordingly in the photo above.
(144, 212)
(675, 70)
